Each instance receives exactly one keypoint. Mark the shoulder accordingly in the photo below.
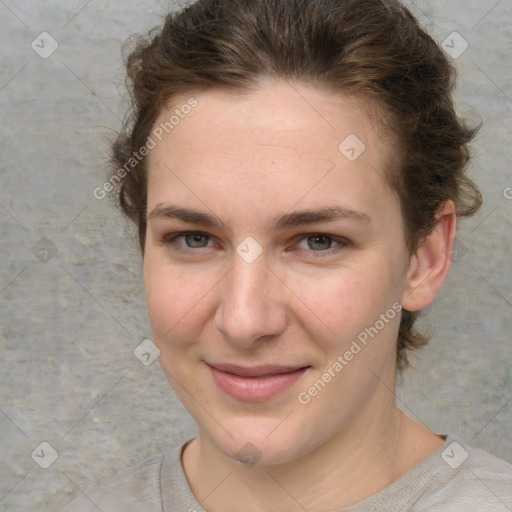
(135, 488)
(456, 477)
(467, 478)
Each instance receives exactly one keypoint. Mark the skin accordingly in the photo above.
(246, 159)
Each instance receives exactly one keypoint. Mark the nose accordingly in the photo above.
(252, 304)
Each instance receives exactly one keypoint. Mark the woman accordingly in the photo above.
(295, 169)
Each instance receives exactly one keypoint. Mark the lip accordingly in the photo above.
(257, 383)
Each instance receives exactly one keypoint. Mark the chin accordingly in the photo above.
(253, 443)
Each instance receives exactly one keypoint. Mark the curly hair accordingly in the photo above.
(371, 48)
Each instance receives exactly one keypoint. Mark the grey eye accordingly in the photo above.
(319, 242)
(196, 240)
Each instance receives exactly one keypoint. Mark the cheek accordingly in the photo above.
(344, 309)
(345, 298)
(174, 299)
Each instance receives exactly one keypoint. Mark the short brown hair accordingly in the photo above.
(371, 48)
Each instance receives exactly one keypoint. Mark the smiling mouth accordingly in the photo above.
(255, 384)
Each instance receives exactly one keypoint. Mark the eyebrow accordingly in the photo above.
(286, 220)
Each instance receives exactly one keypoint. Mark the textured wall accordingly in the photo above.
(71, 300)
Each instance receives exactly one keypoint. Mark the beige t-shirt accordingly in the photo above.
(456, 477)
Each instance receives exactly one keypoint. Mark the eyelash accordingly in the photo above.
(170, 240)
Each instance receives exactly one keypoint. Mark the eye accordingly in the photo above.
(321, 243)
(186, 240)
(196, 240)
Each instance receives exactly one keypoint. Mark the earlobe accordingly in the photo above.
(430, 264)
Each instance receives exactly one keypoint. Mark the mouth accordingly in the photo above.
(257, 383)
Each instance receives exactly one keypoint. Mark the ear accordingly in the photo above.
(431, 262)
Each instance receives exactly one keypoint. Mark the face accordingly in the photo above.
(274, 267)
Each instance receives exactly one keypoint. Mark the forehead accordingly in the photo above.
(272, 112)
(276, 145)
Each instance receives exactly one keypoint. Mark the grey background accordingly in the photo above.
(69, 325)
